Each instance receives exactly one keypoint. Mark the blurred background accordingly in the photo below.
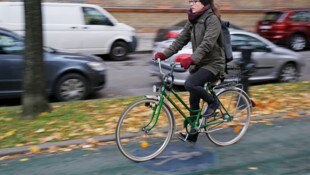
(153, 24)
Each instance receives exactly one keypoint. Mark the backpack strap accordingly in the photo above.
(220, 39)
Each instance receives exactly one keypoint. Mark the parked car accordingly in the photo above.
(70, 76)
(290, 27)
(173, 31)
(75, 27)
(272, 62)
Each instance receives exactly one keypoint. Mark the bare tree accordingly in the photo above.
(34, 99)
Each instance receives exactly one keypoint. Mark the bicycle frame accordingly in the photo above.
(163, 94)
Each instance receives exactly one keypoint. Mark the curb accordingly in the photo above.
(25, 149)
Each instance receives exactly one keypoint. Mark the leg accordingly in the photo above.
(194, 84)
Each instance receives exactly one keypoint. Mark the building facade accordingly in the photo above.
(149, 15)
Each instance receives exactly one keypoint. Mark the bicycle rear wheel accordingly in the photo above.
(230, 129)
(139, 136)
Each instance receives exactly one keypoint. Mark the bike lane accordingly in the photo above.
(278, 148)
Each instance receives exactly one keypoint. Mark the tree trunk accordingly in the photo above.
(34, 99)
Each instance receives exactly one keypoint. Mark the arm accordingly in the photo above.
(209, 40)
(183, 38)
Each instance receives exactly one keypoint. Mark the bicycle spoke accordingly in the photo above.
(236, 105)
(140, 134)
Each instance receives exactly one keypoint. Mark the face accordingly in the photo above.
(196, 5)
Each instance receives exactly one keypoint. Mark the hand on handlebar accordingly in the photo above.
(159, 55)
(185, 61)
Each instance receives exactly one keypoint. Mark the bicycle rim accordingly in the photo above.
(132, 139)
(229, 132)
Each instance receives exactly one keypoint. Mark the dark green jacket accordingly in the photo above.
(207, 52)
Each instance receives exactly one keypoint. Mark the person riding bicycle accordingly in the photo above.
(207, 63)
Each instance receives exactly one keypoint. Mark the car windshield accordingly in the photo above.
(273, 16)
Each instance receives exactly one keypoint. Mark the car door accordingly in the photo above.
(63, 31)
(100, 30)
(265, 61)
(11, 65)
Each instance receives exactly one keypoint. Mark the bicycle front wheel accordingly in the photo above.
(233, 117)
(140, 135)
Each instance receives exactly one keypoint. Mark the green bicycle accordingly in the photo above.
(146, 127)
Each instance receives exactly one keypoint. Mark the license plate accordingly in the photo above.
(264, 27)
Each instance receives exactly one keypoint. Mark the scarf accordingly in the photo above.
(193, 17)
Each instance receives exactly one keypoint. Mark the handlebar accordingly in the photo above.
(172, 65)
(166, 76)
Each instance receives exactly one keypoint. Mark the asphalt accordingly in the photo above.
(278, 148)
(25, 149)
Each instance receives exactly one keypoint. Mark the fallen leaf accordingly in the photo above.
(252, 168)
(293, 114)
(52, 149)
(8, 134)
(237, 129)
(86, 146)
(40, 130)
(46, 139)
(34, 149)
(24, 160)
(52, 122)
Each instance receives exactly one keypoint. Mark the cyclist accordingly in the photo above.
(207, 63)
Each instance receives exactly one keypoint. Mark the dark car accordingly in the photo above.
(289, 27)
(70, 76)
(173, 31)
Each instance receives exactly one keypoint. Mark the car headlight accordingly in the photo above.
(96, 66)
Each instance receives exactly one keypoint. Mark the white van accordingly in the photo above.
(75, 27)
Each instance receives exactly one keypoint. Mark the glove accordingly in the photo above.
(185, 61)
(159, 55)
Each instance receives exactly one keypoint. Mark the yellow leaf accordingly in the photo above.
(57, 135)
(293, 114)
(34, 149)
(252, 168)
(51, 122)
(8, 134)
(237, 129)
(40, 130)
(24, 160)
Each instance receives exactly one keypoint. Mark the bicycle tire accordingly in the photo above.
(133, 141)
(238, 105)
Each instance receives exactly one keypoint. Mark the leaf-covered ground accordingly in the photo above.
(85, 119)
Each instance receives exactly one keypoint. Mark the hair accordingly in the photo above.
(215, 8)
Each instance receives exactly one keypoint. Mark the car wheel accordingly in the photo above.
(71, 87)
(119, 51)
(288, 73)
(297, 42)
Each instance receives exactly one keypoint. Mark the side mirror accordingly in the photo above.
(268, 49)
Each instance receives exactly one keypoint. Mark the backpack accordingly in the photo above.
(224, 41)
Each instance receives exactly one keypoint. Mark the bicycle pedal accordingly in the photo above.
(182, 138)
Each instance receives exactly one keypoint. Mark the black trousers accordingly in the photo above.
(194, 84)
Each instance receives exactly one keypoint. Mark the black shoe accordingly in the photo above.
(192, 138)
(211, 109)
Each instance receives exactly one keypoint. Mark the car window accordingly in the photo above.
(94, 17)
(303, 16)
(9, 45)
(238, 40)
(273, 16)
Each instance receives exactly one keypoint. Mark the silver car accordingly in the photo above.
(271, 61)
